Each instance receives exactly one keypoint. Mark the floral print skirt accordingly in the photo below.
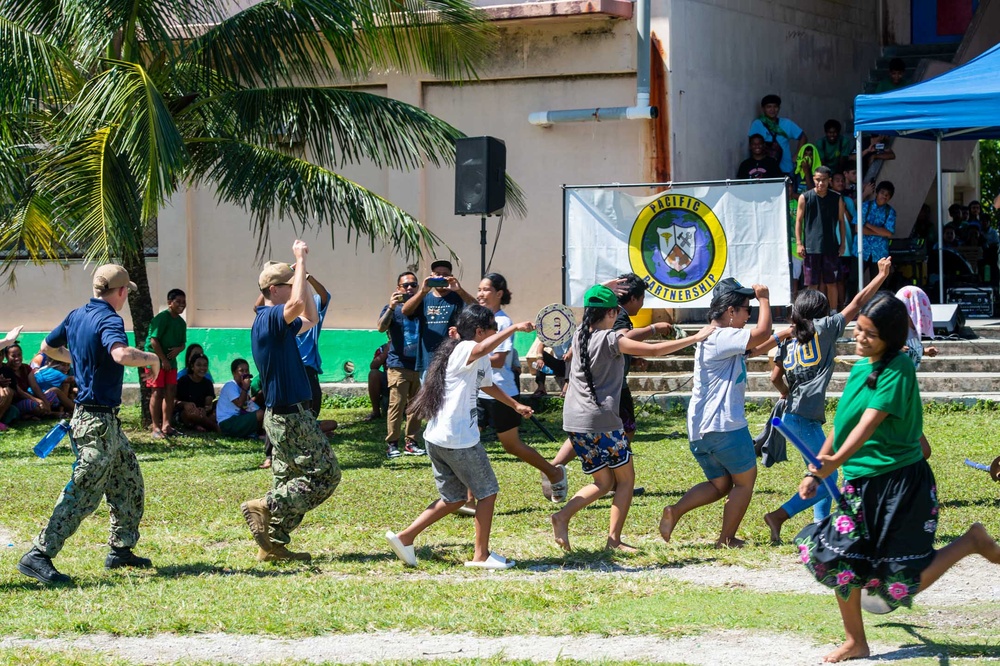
(880, 537)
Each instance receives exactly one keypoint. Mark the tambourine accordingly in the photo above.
(555, 324)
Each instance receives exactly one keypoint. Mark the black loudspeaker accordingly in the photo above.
(480, 169)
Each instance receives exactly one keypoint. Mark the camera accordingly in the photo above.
(247, 377)
(879, 147)
(437, 282)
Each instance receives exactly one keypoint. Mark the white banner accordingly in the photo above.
(681, 242)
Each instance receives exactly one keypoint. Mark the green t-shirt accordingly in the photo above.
(170, 331)
(896, 441)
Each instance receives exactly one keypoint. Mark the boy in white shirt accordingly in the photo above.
(237, 414)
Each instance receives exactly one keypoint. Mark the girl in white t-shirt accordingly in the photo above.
(447, 400)
(717, 426)
(590, 415)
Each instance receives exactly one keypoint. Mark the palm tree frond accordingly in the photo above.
(445, 37)
(263, 44)
(516, 202)
(28, 229)
(341, 126)
(96, 197)
(125, 99)
(276, 42)
(267, 183)
(33, 68)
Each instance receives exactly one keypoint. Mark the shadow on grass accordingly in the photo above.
(942, 651)
(262, 570)
(195, 569)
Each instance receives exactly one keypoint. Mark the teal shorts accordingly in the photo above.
(240, 426)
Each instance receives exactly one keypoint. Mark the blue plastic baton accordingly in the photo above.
(809, 455)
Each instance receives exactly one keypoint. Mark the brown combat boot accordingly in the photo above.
(279, 553)
(258, 518)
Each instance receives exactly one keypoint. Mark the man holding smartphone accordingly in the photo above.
(401, 363)
(437, 303)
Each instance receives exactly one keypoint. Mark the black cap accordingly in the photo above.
(441, 263)
(730, 285)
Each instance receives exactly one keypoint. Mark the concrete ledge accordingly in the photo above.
(130, 392)
(621, 9)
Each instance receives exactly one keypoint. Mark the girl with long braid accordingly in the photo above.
(590, 414)
(880, 540)
(447, 401)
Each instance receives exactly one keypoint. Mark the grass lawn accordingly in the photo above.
(207, 579)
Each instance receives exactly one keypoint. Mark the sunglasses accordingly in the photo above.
(749, 309)
(409, 285)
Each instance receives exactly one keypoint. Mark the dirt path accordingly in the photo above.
(724, 647)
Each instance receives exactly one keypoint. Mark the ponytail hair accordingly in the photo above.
(591, 316)
(888, 314)
(721, 303)
(499, 283)
(809, 304)
(429, 399)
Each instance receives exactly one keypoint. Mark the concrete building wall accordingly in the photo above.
(724, 55)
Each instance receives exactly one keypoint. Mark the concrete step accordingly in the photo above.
(844, 361)
(977, 383)
(668, 400)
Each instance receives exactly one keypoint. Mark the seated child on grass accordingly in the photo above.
(237, 414)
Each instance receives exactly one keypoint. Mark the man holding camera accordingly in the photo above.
(305, 468)
(438, 303)
(403, 378)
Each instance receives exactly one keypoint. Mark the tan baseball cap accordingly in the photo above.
(112, 276)
(275, 273)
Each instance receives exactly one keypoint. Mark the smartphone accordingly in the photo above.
(437, 282)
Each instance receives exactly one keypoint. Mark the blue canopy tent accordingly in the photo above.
(962, 104)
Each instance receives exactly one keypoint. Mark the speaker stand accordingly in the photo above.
(482, 248)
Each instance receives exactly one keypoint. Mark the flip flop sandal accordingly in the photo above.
(493, 562)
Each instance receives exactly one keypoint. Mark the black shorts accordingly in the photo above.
(499, 415)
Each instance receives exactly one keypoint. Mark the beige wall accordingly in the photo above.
(44, 295)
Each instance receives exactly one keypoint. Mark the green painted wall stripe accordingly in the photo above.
(336, 347)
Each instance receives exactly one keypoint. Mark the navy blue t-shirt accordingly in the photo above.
(90, 332)
(404, 339)
(272, 342)
(439, 314)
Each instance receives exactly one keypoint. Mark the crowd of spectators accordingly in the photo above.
(822, 181)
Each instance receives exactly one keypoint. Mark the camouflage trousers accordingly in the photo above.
(305, 469)
(105, 466)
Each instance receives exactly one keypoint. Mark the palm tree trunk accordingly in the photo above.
(140, 304)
